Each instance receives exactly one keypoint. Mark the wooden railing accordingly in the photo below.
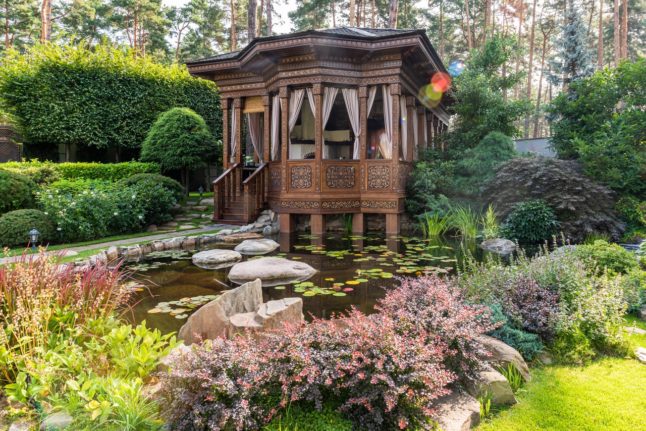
(225, 189)
(255, 189)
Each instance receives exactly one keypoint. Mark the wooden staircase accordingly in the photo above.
(238, 201)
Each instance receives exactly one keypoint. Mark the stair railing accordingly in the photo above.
(225, 188)
(255, 191)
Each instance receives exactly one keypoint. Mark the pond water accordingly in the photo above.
(352, 271)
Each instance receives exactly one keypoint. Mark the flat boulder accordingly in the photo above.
(256, 247)
(502, 355)
(238, 237)
(499, 246)
(215, 259)
(273, 271)
(489, 381)
(457, 412)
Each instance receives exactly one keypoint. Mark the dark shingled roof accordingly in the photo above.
(354, 32)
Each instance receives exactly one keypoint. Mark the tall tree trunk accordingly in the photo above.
(233, 33)
(530, 63)
(333, 13)
(353, 11)
(260, 15)
(373, 15)
(45, 21)
(600, 37)
(392, 17)
(592, 4)
(442, 41)
(540, 85)
(521, 20)
(7, 39)
(252, 11)
(624, 30)
(487, 19)
(467, 16)
(269, 18)
(617, 33)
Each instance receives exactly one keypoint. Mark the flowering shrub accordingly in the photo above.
(383, 371)
(602, 256)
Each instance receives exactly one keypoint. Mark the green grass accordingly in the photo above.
(605, 395)
(636, 339)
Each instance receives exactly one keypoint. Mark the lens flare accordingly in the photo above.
(441, 82)
(456, 67)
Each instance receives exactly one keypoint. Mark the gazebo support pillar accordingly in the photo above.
(358, 223)
(392, 224)
(317, 224)
(286, 222)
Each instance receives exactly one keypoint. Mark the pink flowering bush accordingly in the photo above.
(383, 371)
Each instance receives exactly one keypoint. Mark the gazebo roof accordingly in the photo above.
(342, 40)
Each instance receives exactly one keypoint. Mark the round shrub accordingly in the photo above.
(17, 191)
(169, 183)
(530, 222)
(601, 256)
(155, 200)
(15, 227)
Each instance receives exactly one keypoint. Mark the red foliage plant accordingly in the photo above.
(384, 371)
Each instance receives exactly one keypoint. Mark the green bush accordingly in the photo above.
(17, 191)
(169, 183)
(601, 256)
(47, 172)
(530, 222)
(101, 96)
(179, 140)
(39, 172)
(306, 418)
(78, 185)
(529, 345)
(15, 226)
(155, 200)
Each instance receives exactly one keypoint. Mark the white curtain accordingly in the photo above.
(351, 97)
(415, 134)
(372, 93)
(386, 139)
(275, 127)
(329, 95)
(255, 133)
(233, 143)
(403, 126)
(295, 103)
(310, 98)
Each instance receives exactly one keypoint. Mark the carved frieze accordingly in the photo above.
(339, 177)
(275, 175)
(341, 205)
(379, 204)
(301, 177)
(378, 177)
(300, 205)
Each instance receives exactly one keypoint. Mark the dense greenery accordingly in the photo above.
(530, 222)
(100, 97)
(15, 227)
(179, 140)
(17, 191)
(307, 418)
(169, 183)
(47, 172)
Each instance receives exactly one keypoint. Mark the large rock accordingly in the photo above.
(238, 237)
(212, 320)
(238, 310)
(215, 259)
(257, 246)
(457, 412)
(502, 355)
(500, 246)
(489, 381)
(642, 313)
(640, 353)
(56, 421)
(271, 270)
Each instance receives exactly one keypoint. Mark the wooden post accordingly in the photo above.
(363, 124)
(358, 224)
(286, 222)
(395, 91)
(411, 112)
(284, 136)
(317, 224)
(317, 91)
(392, 224)
(266, 128)
(237, 157)
(226, 113)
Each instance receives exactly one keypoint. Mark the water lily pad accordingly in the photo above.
(339, 294)
(280, 287)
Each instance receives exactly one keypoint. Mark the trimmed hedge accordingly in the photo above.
(16, 191)
(47, 172)
(169, 183)
(15, 227)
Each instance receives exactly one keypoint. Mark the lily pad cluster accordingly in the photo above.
(181, 308)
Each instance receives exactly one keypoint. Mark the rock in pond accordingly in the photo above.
(457, 412)
(499, 246)
(271, 270)
(256, 247)
(501, 355)
(237, 310)
(216, 259)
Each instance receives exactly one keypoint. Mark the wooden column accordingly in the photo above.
(358, 224)
(317, 224)
(226, 117)
(363, 136)
(395, 91)
(286, 222)
(411, 112)
(237, 156)
(284, 136)
(317, 91)
(421, 126)
(266, 128)
(392, 224)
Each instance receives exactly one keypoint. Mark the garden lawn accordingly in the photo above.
(605, 395)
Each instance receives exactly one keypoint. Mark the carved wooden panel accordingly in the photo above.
(275, 180)
(301, 177)
(378, 177)
(341, 205)
(340, 177)
(301, 205)
(379, 204)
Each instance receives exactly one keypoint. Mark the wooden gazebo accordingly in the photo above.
(324, 122)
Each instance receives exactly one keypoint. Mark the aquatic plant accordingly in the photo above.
(434, 224)
(489, 223)
(464, 221)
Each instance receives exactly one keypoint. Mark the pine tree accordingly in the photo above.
(573, 58)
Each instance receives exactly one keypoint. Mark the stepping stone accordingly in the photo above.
(215, 259)
(256, 247)
(273, 271)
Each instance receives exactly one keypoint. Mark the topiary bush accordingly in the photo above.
(17, 191)
(582, 206)
(15, 227)
(43, 173)
(169, 183)
(530, 222)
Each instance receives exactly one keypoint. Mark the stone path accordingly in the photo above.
(131, 241)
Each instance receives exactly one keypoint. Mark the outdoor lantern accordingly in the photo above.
(33, 237)
(201, 190)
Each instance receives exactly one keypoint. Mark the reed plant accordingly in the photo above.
(489, 223)
(434, 225)
(464, 221)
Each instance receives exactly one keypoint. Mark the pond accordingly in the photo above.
(352, 271)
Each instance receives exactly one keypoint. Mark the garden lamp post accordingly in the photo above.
(33, 237)
(201, 190)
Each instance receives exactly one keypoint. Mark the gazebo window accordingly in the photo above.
(338, 135)
(301, 124)
(379, 123)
